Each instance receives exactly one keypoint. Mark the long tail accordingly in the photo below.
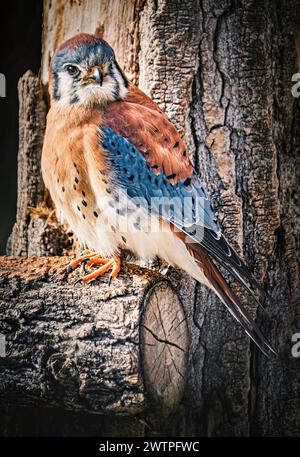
(228, 297)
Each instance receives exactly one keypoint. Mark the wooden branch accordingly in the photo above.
(90, 347)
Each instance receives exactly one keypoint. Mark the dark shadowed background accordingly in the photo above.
(20, 50)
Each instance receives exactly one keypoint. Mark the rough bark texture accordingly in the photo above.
(85, 348)
(222, 71)
(36, 231)
(245, 120)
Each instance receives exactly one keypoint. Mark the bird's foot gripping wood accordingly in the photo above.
(89, 259)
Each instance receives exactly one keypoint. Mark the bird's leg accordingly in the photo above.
(96, 260)
(89, 258)
(84, 257)
(113, 264)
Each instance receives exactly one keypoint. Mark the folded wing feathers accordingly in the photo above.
(228, 297)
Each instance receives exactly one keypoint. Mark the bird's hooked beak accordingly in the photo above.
(95, 75)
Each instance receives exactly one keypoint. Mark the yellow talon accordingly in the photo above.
(113, 264)
(90, 259)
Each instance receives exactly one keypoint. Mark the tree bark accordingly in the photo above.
(222, 71)
(36, 231)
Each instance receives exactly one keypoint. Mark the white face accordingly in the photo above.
(87, 75)
(80, 84)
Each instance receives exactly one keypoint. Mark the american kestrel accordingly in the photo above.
(120, 176)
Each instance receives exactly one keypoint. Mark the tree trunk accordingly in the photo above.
(222, 71)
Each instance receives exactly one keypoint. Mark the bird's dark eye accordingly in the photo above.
(72, 70)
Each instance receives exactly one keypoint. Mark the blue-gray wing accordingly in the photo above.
(184, 204)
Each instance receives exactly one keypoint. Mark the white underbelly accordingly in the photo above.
(111, 232)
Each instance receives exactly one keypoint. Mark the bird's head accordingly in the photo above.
(85, 72)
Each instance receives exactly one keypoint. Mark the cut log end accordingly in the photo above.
(164, 340)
